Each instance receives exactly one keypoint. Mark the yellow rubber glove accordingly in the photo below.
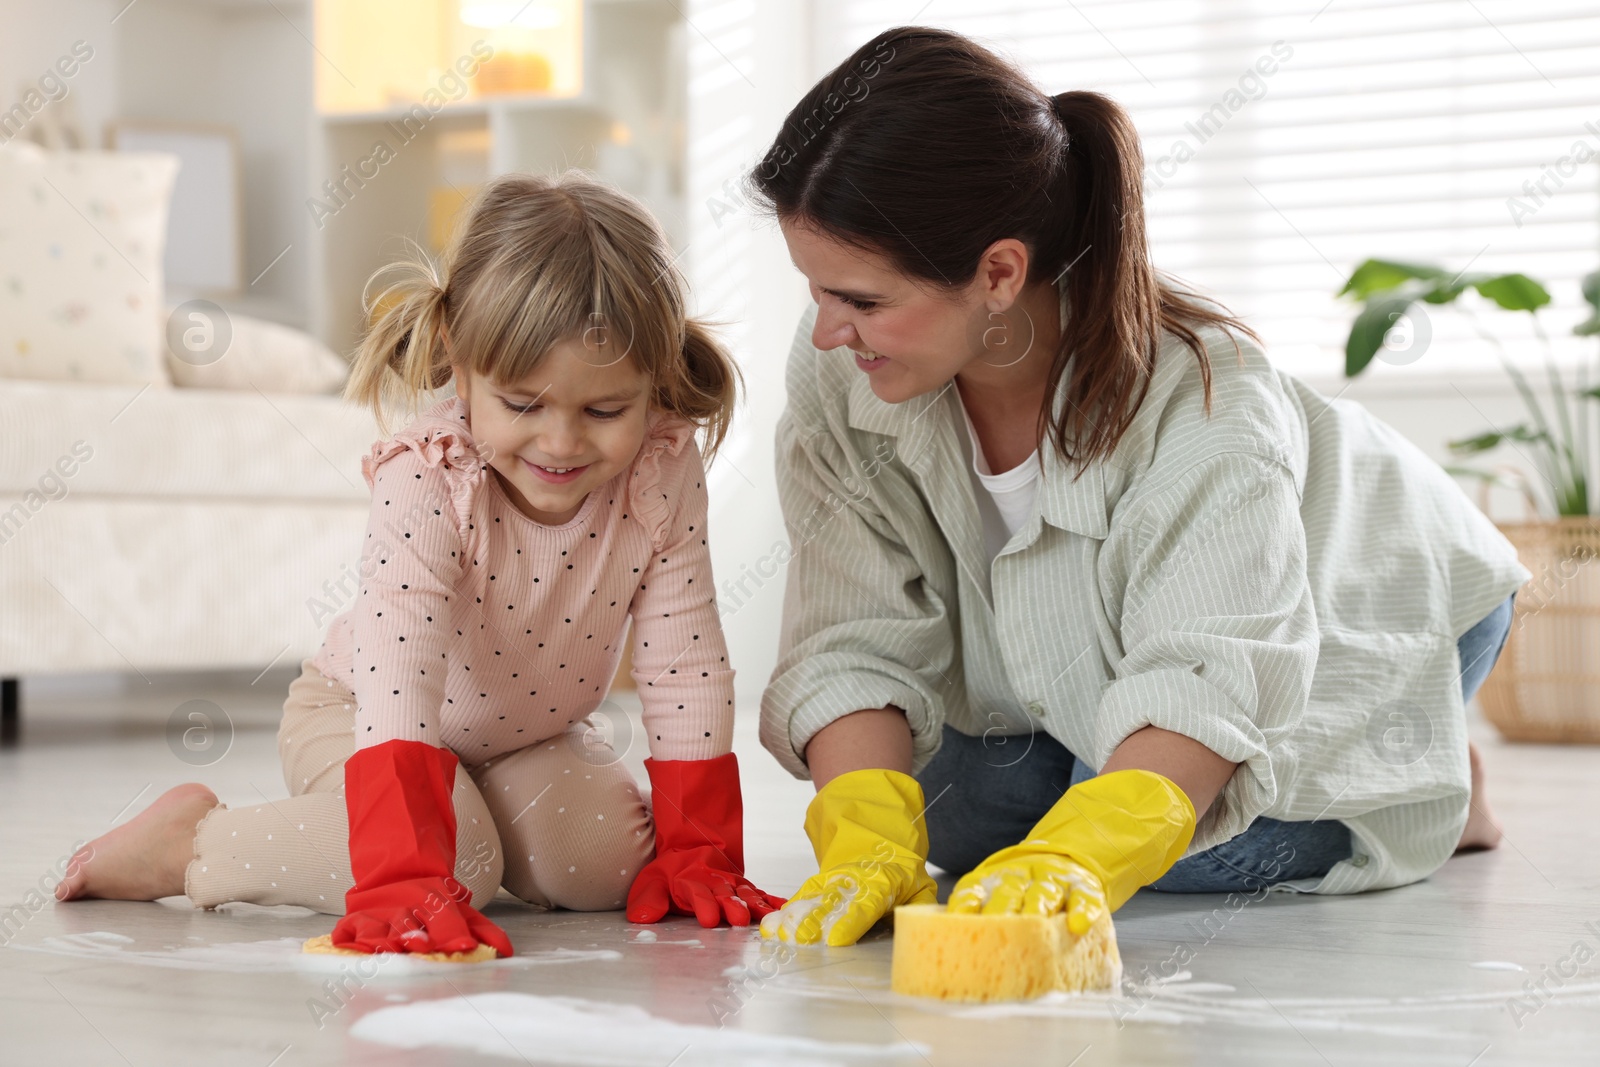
(867, 830)
(1104, 839)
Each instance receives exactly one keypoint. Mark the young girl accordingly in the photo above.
(436, 746)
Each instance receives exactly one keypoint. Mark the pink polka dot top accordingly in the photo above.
(483, 631)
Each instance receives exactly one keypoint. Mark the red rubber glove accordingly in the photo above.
(403, 856)
(699, 865)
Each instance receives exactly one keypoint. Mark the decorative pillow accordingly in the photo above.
(209, 348)
(81, 240)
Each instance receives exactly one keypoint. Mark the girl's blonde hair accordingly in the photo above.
(539, 261)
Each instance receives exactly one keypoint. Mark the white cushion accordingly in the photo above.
(259, 355)
(81, 241)
(144, 442)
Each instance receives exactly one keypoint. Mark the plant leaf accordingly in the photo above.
(1514, 292)
(1483, 442)
(1590, 287)
(1520, 432)
(1444, 290)
(1381, 275)
(1372, 325)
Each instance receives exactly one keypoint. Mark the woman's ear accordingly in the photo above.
(463, 382)
(1003, 273)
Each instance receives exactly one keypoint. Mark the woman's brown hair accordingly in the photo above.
(538, 261)
(927, 148)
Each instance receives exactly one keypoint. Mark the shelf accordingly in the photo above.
(614, 106)
(479, 108)
(444, 50)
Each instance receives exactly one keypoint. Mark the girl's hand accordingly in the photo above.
(699, 865)
(402, 853)
(423, 915)
(693, 883)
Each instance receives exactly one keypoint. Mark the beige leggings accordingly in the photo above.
(551, 826)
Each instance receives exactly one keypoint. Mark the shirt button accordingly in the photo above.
(1358, 860)
(1036, 708)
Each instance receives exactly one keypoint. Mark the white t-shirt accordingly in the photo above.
(1005, 501)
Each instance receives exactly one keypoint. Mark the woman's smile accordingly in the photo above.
(871, 361)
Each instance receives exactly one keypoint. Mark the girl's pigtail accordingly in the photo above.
(402, 354)
(712, 380)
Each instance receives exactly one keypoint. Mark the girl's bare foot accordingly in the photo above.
(1481, 831)
(145, 857)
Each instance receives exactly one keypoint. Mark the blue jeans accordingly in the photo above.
(984, 797)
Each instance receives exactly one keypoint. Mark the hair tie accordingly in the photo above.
(1061, 124)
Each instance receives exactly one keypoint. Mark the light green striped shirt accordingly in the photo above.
(1283, 581)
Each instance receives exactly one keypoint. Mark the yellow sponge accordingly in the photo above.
(322, 945)
(970, 957)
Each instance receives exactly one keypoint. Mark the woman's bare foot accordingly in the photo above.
(1481, 831)
(145, 857)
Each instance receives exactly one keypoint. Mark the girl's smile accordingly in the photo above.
(572, 425)
(557, 475)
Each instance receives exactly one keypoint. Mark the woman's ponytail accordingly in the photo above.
(403, 352)
(1100, 258)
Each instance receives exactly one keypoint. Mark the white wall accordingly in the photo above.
(239, 63)
(35, 35)
(244, 65)
(746, 72)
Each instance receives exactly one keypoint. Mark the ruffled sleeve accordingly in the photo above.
(657, 474)
(440, 439)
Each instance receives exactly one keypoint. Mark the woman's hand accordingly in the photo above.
(1034, 884)
(867, 829)
(1104, 839)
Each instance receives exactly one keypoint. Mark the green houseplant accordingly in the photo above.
(1560, 449)
(1545, 684)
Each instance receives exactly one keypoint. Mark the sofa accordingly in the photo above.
(158, 511)
(172, 529)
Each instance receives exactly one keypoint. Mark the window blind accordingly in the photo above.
(1284, 144)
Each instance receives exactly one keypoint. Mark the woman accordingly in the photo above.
(1087, 596)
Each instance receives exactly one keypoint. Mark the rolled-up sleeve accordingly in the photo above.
(1207, 577)
(862, 628)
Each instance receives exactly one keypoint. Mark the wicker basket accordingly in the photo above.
(1546, 684)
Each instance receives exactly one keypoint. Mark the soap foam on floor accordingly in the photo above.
(279, 955)
(1178, 1000)
(650, 937)
(572, 1030)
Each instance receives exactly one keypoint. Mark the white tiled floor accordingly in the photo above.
(1428, 974)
